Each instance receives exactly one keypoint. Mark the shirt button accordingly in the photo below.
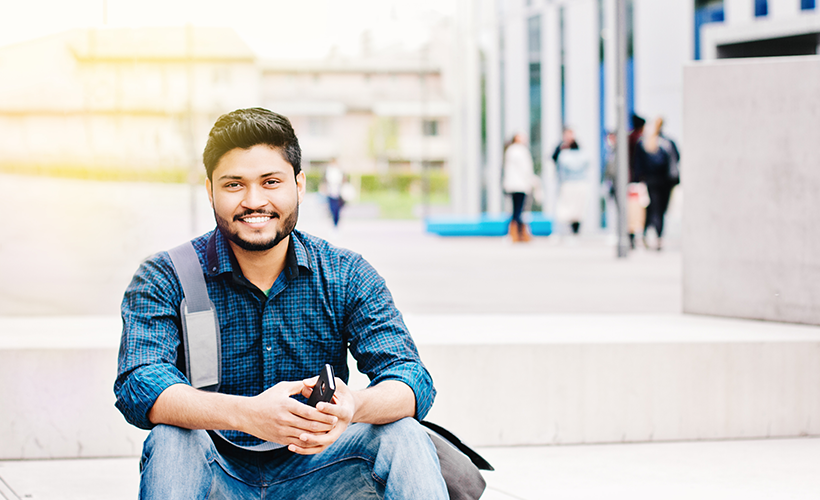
(268, 348)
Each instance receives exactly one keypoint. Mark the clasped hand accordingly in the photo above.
(277, 417)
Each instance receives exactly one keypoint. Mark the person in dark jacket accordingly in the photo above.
(656, 165)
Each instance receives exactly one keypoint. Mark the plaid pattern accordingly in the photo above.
(326, 301)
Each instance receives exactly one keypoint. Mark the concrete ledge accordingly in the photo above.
(501, 380)
(56, 380)
(535, 380)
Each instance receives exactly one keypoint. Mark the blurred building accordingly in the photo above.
(120, 99)
(759, 28)
(547, 64)
(143, 100)
(374, 115)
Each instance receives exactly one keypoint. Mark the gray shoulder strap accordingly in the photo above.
(200, 326)
(200, 336)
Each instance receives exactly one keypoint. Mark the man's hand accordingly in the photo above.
(341, 410)
(275, 416)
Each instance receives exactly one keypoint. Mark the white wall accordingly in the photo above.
(663, 43)
(751, 234)
(516, 71)
(738, 11)
(581, 92)
(550, 101)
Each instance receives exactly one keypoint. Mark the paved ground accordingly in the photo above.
(717, 470)
(97, 233)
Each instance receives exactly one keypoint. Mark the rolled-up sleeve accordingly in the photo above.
(379, 338)
(149, 342)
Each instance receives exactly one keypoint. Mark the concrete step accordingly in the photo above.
(502, 380)
(571, 379)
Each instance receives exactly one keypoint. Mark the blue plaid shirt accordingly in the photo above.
(326, 301)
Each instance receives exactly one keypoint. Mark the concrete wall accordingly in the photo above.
(502, 380)
(664, 43)
(751, 231)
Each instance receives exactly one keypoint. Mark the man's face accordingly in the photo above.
(255, 197)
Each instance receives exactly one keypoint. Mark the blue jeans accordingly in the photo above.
(518, 206)
(393, 461)
(335, 208)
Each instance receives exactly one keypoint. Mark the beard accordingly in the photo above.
(286, 227)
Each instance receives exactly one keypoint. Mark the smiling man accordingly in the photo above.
(287, 303)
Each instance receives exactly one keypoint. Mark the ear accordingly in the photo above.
(210, 188)
(301, 186)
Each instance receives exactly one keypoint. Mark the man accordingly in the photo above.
(634, 136)
(636, 199)
(287, 303)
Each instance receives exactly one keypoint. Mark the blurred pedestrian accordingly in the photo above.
(656, 163)
(572, 165)
(333, 182)
(518, 182)
(634, 136)
(637, 197)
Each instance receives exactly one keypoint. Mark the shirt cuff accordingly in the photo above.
(418, 378)
(141, 389)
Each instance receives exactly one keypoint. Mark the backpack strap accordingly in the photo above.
(201, 339)
(200, 326)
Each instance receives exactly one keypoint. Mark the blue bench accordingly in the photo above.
(485, 225)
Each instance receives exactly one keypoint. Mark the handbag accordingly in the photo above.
(460, 464)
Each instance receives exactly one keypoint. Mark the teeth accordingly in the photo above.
(256, 220)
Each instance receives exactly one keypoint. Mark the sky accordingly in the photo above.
(291, 29)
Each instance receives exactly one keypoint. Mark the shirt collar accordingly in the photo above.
(221, 260)
(298, 257)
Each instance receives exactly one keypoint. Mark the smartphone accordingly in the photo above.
(324, 388)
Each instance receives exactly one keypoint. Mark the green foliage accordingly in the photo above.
(314, 180)
(168, 175)
(383, 137)
(396, 205)
(402, 182)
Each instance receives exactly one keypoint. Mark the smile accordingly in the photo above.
(256, 219)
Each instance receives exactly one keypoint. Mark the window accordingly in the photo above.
(808, 4)
(318, 126)
(761, 8)
(429, 128)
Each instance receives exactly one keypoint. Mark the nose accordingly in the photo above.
(254, 198)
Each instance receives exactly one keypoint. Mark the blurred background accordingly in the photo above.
(105, 106)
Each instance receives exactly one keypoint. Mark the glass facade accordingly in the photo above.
(534, 51)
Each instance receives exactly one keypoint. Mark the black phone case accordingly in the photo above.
(324, 388)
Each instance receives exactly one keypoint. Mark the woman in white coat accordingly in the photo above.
(518, 182)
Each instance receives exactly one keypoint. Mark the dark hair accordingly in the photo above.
(245, 128)
(637, 122)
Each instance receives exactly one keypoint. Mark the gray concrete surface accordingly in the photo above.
(774, 469)
(752, 237)
(97, 234)
(572, 379)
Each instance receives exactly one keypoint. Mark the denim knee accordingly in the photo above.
(409, 431)
(176, 464)
(407, 464)
(172, 440)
